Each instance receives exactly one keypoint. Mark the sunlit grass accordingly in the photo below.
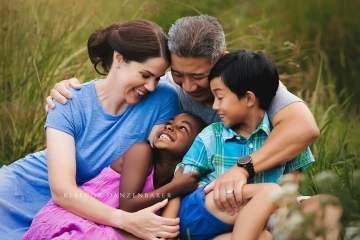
(43, 42)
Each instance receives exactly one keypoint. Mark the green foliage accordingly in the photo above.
(43, 42)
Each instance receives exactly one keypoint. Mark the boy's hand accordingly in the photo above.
(60, 92)
(233, 180)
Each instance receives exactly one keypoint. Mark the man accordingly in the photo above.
(196, 43)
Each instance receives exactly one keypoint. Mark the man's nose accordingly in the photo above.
(188, 85)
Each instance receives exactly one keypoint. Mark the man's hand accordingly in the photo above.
(233, 180)
(61, 93)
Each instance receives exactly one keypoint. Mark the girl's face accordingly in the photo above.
(177, 135)
(135, 79)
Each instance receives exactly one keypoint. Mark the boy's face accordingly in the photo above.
(191, 74)
(231, 109)
(177, 135)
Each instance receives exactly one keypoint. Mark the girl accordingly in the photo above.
(136, 190)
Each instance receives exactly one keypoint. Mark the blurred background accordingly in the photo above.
(315, 43)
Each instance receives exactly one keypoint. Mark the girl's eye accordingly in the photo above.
(183, 128)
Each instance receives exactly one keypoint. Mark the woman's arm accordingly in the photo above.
(62, 168)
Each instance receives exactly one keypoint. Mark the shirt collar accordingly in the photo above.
(265, 125)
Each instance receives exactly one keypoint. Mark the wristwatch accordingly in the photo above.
(246, 162)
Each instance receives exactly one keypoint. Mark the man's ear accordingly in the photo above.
(118, 58)
(250, 98)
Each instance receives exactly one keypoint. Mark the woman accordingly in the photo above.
(102, 120)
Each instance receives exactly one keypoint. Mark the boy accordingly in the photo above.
(243, 84)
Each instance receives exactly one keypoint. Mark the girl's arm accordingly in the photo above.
(62, 170)
(137, 161)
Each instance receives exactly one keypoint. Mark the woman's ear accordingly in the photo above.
(250, 98)
(117, 59)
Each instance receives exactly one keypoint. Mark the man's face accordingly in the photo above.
(191, 74)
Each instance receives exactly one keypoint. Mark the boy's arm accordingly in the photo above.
(171, 210)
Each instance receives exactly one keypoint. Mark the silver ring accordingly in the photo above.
(229, 192)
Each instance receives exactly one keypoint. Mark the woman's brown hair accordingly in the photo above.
(136, 40)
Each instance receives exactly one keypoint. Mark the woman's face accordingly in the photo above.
(138, 79)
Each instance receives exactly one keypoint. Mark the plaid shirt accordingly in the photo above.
(216, 149)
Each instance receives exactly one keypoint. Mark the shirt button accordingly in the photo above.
(238, 138)
(251, 145)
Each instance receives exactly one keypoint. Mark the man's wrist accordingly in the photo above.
(246, 163)
(244, 171)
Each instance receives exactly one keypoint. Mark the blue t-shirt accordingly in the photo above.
(101, 137)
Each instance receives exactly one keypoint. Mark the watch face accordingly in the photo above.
(244, 159)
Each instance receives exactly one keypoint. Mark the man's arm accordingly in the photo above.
(61, 92)
(294, 130)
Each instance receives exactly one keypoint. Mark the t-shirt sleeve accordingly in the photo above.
(282, 98)
(195, 160)
(301, 162)
(170, 103)
(61, 118)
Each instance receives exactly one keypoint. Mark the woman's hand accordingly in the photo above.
(185, 182)
(61, 92)
(145, 224)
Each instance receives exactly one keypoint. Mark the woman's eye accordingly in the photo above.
(146, 76)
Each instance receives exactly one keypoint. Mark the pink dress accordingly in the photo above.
(54, 222)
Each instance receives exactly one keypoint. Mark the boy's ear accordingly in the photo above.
(224, 53)
(250, 98)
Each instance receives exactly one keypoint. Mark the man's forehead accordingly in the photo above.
(190, 65)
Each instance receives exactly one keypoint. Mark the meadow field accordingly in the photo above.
(316, 45)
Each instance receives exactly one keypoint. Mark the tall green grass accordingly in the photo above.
(336, 170)
(43, 42)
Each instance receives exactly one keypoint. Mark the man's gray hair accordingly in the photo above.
(197, 36)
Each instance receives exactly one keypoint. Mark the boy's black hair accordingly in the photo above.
(202, 124)
(247, 70)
